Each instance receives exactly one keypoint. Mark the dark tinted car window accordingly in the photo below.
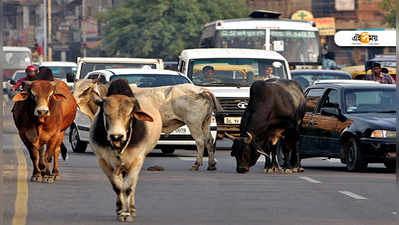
(312, 98)
(331, 100)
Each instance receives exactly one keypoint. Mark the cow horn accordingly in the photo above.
(249, 138)
(229, 136)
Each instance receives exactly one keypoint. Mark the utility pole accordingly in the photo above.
(84, 22)
(45, 30)
(50, 50)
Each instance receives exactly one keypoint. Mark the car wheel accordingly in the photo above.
(77, 145)
(390, 164)
(167, 150)
(354, 157)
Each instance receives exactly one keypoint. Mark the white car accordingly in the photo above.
(60, 69)
(178, 139)
(234, 71)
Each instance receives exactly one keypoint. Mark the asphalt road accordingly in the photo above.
(324, 194)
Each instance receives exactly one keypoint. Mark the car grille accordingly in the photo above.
(231, 104)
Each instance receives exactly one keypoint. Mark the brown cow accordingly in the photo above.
(42, 112)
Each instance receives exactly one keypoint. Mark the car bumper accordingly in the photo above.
(378, 149)
(233, 129)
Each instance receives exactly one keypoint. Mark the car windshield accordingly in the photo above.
(19, 75)
(306, 79)
(60, 72)
(234, 72)
(88, 67)
(152, 80)
(370, 101)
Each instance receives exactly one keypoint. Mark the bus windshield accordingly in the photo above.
(234, 72)
(298, 47)
(17, 59)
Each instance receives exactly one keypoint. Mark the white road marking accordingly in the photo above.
(352, 195)
(310, 180)
(395, 213)
(191, 158)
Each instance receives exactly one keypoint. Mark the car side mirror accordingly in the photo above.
(332, 111)
(13, 82)
(70, 77)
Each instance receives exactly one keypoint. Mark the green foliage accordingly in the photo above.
(391, 6)
(162, 28)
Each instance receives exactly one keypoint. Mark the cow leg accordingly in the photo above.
(56, 172)
(34, 156)
(199, 141)
(133, 177)
(42, 163)
(211, 148)
(52, 146)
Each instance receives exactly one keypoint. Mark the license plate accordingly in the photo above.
(232, 120)
(180, 130)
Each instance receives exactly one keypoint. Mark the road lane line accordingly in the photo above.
(352, 195)
(192, 158)
(21, 201)
(310, 180)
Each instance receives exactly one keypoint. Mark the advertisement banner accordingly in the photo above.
(366, 38)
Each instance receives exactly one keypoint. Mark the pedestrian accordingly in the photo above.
(379, 76)
(292, 66)
(329, 62)
(31, 73)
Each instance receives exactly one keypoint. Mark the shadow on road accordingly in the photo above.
(343, 169)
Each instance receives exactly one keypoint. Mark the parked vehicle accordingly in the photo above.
(16, 58)
(234, 72)
(353, 122)
(305, 78)
(15, 77)
(88, 64)
(178, 139)
(61, 69)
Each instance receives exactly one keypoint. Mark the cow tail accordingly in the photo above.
(215, 103)
(64, 151)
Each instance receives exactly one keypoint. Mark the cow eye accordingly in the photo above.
(84, 92)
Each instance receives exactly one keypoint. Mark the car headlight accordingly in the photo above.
(383, 134)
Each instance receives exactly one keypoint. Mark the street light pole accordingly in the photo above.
(50, 50)
(45, 29)
(84, 22)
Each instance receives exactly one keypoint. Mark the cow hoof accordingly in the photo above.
(57, 177)
(194, 168)
(48, 180)
(287, 171)
(211, 168)
(301, 170)
(276, 170)
(269, 171)
(125, 217)
(295, 170)
(36, 179)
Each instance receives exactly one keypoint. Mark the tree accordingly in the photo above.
(162, 28)
(391, 6)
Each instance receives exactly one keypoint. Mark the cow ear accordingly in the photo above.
(21, 96)
(140, 115)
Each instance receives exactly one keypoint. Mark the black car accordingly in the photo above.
(353, 122)
(305, 78)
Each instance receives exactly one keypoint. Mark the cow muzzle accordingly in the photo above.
(117, 141)
(242, 169)
(42, 112)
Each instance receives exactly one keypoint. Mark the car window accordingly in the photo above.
(370, 101)
(312, 98)
(331, 100)
(152, 80)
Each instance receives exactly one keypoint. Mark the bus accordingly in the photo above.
(298, 41)
(16, 58)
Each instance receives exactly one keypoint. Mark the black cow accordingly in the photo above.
(275, 112)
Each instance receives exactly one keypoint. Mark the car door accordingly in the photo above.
(308, 141)
(325, 126)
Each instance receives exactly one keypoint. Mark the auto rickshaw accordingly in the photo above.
(359, 72)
